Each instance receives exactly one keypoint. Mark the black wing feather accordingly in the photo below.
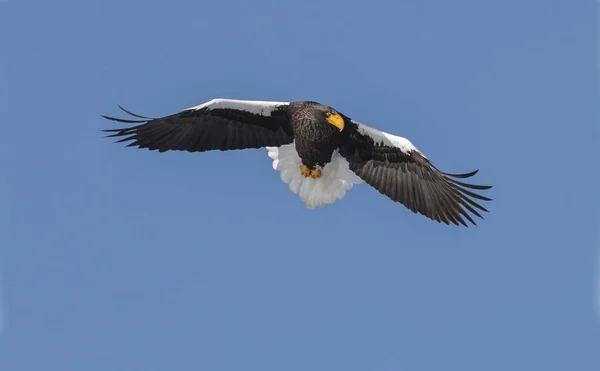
(206, 129)
(411, 179)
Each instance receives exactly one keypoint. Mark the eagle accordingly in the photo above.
(320, 153)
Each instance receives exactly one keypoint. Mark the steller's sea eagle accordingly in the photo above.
(319, 151)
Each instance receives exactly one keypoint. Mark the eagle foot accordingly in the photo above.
(307, 172)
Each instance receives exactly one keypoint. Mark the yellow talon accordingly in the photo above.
(307, 172)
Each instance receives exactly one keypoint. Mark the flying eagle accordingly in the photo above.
(319, 151)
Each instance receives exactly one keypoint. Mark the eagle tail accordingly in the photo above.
(335, 180)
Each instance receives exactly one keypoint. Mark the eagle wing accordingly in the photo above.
(220, 124)
(397, 169)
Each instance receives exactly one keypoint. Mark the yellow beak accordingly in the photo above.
(337, 121)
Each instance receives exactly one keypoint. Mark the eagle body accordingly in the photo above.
(315, 138)
(319, 152)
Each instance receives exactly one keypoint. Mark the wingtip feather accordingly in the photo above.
(123, 120)
(133, 114)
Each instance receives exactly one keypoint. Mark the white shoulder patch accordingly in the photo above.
(263, 108)
(336, 177)
(386, 139)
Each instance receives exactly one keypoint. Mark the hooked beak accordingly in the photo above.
(337, 121)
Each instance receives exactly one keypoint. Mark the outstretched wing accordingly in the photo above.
(220, 124)
(397, 169)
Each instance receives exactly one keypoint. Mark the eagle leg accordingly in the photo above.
(308, 172)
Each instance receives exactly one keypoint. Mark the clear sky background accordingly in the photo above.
(119, 259)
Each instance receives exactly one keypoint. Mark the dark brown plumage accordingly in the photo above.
(315, 138)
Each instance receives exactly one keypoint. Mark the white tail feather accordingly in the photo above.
(336, 177)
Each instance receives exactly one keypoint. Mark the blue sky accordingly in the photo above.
(119, 259)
